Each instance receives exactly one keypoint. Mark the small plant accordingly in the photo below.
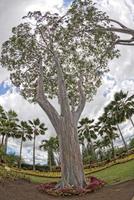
(6, 173)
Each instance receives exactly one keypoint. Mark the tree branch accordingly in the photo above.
(124, 30)
(127, 44)
(62, 90)
(119, 23)
(42, 100)
(82, 100)
(120, 30)
(62, 94)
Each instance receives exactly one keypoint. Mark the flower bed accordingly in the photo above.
(92, 185)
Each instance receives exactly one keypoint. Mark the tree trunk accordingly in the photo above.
(113, 150)
(34, 152)
(6, 141)
(20, 160)
(101, 154)
(93, 150)
(131, 121)
(112, 146)
(50, 163)
(83, 150)
(71, 160)
(2, 141)
(65, 124)
(125, 145)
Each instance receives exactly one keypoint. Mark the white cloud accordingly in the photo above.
(45, 5)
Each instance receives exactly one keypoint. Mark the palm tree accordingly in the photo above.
(8, 126)
(82, 142)
(116, 115)
(50, 146)
(108, 130)
(36, 128)
(24, 132)
(126, 105)
(2, 120)
(86, 129)
(98, 144)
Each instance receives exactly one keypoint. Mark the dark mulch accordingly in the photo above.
(21, 190)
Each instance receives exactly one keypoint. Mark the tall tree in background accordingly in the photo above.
(63, 57)
(126, 105)
(82, 142)
(99, 147)
(86, 129)
(2, 122)
(107, 130)
(24, 132)
(36, 128)
(50, 146)
(10, 126)
(114, 112)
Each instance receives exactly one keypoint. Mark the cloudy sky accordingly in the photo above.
(121, 75)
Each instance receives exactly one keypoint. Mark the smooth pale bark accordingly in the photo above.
(34, 138)
(123, 140)
(20, 160)
(121, 29)
(71, 160)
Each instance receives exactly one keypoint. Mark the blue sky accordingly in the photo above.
(67, 2)
(3, 88)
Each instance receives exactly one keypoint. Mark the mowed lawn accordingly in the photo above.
(116, 173)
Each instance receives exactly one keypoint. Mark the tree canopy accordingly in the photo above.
(82, 47)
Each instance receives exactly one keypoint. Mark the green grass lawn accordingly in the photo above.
(116, 173)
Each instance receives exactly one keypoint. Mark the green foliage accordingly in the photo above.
(8, 159)
(36, 127)
(7, 174)
(79, 41)
(51, 146)
(11, 160)
(24, 131)
(120, 108)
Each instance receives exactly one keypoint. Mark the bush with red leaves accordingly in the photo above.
(95, 183)
(92, 185)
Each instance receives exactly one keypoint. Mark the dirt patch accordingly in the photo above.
(21, 190)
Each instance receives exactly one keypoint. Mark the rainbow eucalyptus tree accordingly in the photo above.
(63, 57)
